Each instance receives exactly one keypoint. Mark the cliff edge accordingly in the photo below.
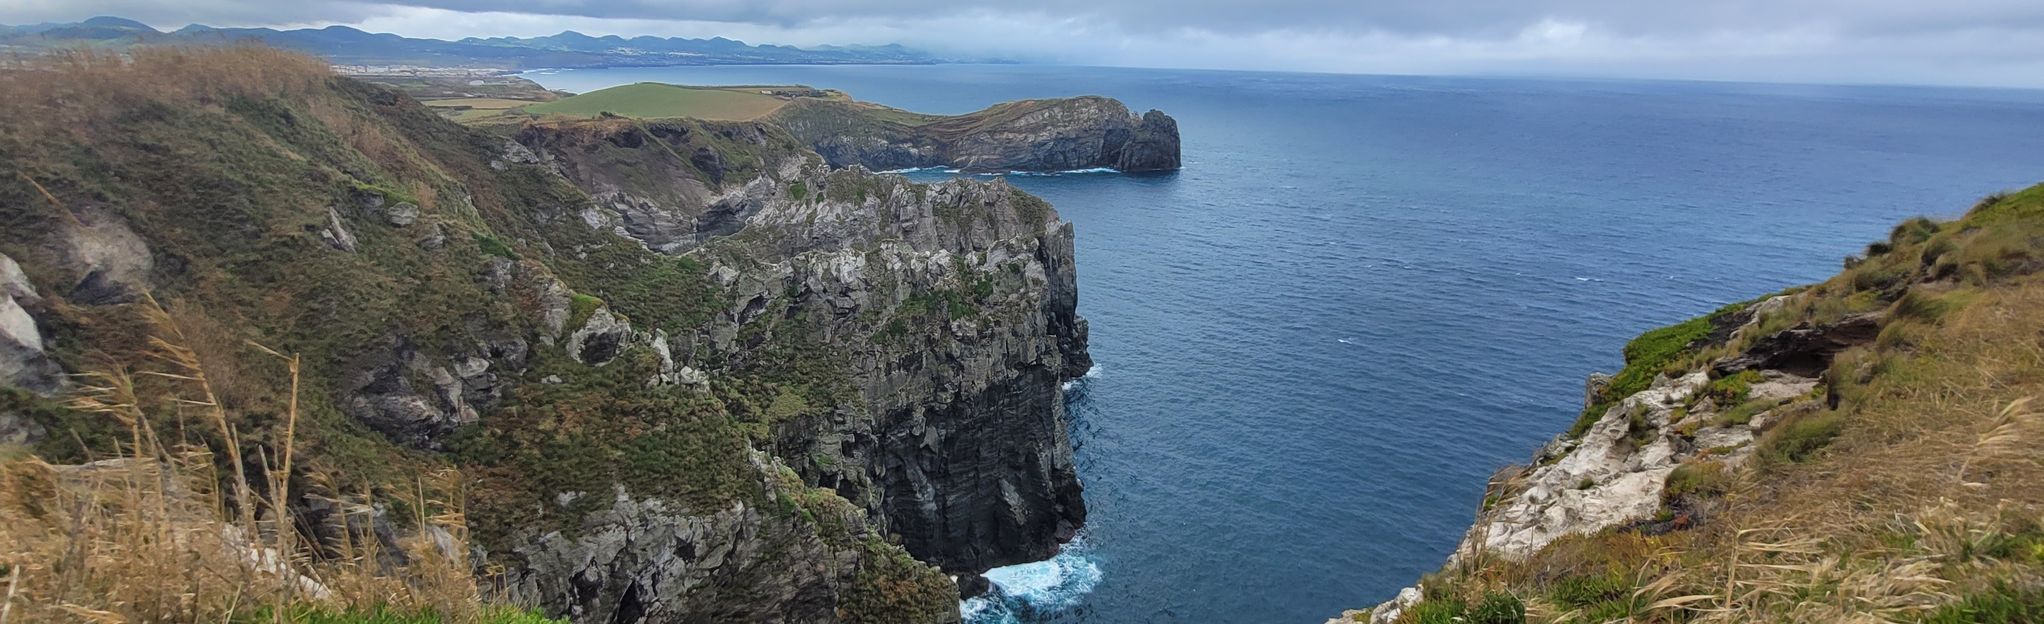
(1856, 450)
(684, 370)
(1065, 134)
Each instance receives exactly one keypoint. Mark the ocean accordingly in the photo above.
(1364, 294)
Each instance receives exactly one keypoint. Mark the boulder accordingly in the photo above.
(23, 361)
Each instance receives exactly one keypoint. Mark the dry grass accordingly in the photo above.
(70, 90)
(159, 534)
(1927, 505)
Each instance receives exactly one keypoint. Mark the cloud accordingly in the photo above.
(1998, 42)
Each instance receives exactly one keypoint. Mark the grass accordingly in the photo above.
(228, 159)
(1705, 479)
(1646, 357)
(165, 531)
(650, 100)
(1910, 493)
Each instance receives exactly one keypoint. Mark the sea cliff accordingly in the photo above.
(1851, 450)
(1064, 134)
(685, 370)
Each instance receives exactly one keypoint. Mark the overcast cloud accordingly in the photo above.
(1982, 42)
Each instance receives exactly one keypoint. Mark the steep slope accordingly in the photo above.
(645, 364)
(952, 303)
(1859, 450)
(1062, 134)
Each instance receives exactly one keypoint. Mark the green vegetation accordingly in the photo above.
(385, 615)
(1798, 439)
(232, 158)
(1492, 608)
(580, 308)
(652, 100)
(1702, 479)
(2001, 604)
(1647, 356)
(1905, 488)
(492, 246)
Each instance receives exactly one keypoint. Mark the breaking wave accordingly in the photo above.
(1028, 592)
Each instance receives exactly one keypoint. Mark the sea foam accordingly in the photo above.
(1034, 589)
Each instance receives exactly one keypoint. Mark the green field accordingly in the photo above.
(651, 100)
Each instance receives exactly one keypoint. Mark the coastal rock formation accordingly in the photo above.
(1796, 458)
(1064, 134)
(1615, 473)
(952, 306)
(689, 372)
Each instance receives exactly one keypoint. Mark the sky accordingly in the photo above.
(1964, 42)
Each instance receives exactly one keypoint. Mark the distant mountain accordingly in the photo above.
(348, 46)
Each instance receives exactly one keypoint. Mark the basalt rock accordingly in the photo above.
(953, 307)
(1030, 135)
(1805, 349)
(692, 373)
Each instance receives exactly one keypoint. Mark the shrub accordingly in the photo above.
(1497, 608)
(2000, 605)
(1582, 592)
(1798, 440)
(492, 246)
(1645, 357)
(1915, 230)
(1704, 479)
(1733, 388)
(1743, 412)
(580, 308)
(1443, 611)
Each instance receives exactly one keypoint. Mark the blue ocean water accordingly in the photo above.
(1364, 293)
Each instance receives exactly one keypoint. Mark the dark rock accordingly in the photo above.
(1153, 146)
(416, 400)
(710, 163)
(972, 585)
(1804, 350)
(1030, 135)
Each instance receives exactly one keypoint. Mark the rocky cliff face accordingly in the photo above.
(1853, 450)
(1615, 474)
(691, 373)
(948, 315)
(1030, 135)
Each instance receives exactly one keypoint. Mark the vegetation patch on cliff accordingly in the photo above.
(1910, 492)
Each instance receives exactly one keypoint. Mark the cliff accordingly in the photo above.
(1064, 134)
(1857, 450)
(687, 372)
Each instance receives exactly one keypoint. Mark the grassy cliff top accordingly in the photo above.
(652, 100)
(1906, 488)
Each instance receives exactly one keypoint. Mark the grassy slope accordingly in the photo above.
(1919, 497)
(226, 163)
(649, 100)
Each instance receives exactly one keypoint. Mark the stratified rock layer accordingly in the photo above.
(1030, 135)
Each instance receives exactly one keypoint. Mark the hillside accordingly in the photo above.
(1064, 134)
(1864, 449)
(659, 371)
(349, 46)
(652, 100)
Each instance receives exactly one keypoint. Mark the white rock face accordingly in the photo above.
(1614, 475)
(1624, 475)
(23, 362)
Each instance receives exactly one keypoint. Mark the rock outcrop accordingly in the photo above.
(24, 362)
(1064, 134)
(691, 373)
(953, 305)
(1615, 473)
